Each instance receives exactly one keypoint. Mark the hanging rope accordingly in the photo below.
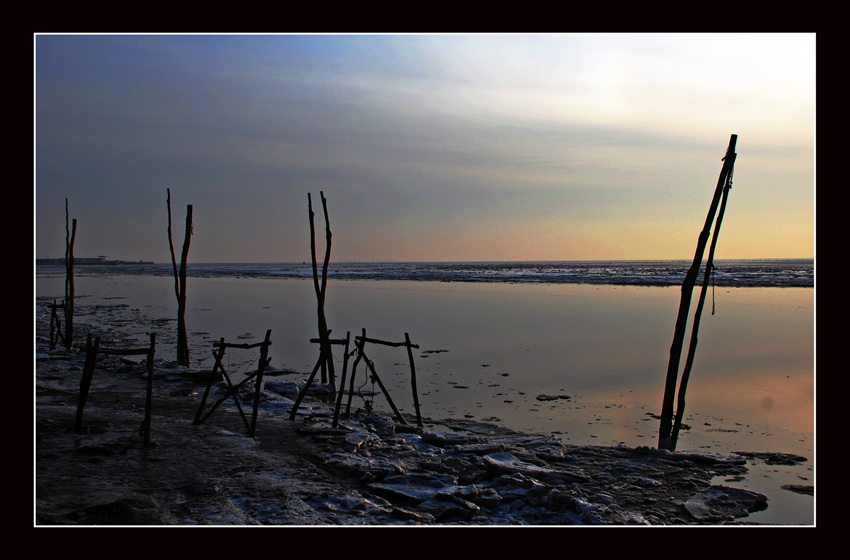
(713, 268)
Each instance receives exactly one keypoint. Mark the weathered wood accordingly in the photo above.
(69, 279)
(180, 282)
(218, 356)
(128, 352)
(85, 380)
(410, 347)
(240, 345)
(692, 348)
(258, 384)
(146, 424)
(327, 368)
(233, 389)
(666, 422)
(360, 344)
(56, 332)
(345, 357)
(92, 349)
(388, 343)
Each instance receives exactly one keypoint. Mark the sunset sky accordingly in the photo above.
(445, 147)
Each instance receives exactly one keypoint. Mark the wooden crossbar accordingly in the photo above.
(360, 343)
(92, 350)
(233, 389)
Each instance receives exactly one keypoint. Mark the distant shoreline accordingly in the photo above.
(87, 261)
(726, 273)
(98, 261)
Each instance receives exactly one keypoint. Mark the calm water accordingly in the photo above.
(489, 348)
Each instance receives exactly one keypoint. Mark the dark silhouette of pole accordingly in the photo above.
(666, 423)
(327, 367)
(692, 347)
(69, 278)
(180, 283)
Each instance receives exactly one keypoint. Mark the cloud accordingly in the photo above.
(407, 130)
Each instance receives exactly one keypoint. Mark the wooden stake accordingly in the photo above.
(146, 424)
(85, 380)
(327, 367)
(258, 383)
(666, 423)
(180, 282)
(335, 422)
(692, 348)
(69, 279)
(410, 347)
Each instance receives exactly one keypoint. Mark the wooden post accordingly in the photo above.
(233, 389)
(692, 348)
(69, 279)
(218, 356)
(180, 283)
(52, 324)
(146, 424)
(258, 383)
(360, 344)
(85, 380)
(92, 349)
(666, 422)
(410, 347)
(327, 367)
(342, 380)
(56, 324)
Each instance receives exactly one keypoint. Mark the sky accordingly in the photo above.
(427, 147)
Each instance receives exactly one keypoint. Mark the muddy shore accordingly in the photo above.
(372, 469)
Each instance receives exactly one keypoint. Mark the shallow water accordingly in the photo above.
(487, 351)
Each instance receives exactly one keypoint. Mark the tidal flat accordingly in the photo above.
(583, 365)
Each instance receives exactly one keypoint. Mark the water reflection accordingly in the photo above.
(606, 347)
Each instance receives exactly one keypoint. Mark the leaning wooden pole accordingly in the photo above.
(666, 423)
(180, 282)
(69, 278)
(692, 346)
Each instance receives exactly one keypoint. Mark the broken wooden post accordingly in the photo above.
(180, 283)
(327, 367)
(69, 279)
(666, 422)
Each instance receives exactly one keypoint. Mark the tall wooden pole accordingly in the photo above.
(327, 367)
(692, 347)
(666, 423)
(180, 283)
(69, 278)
